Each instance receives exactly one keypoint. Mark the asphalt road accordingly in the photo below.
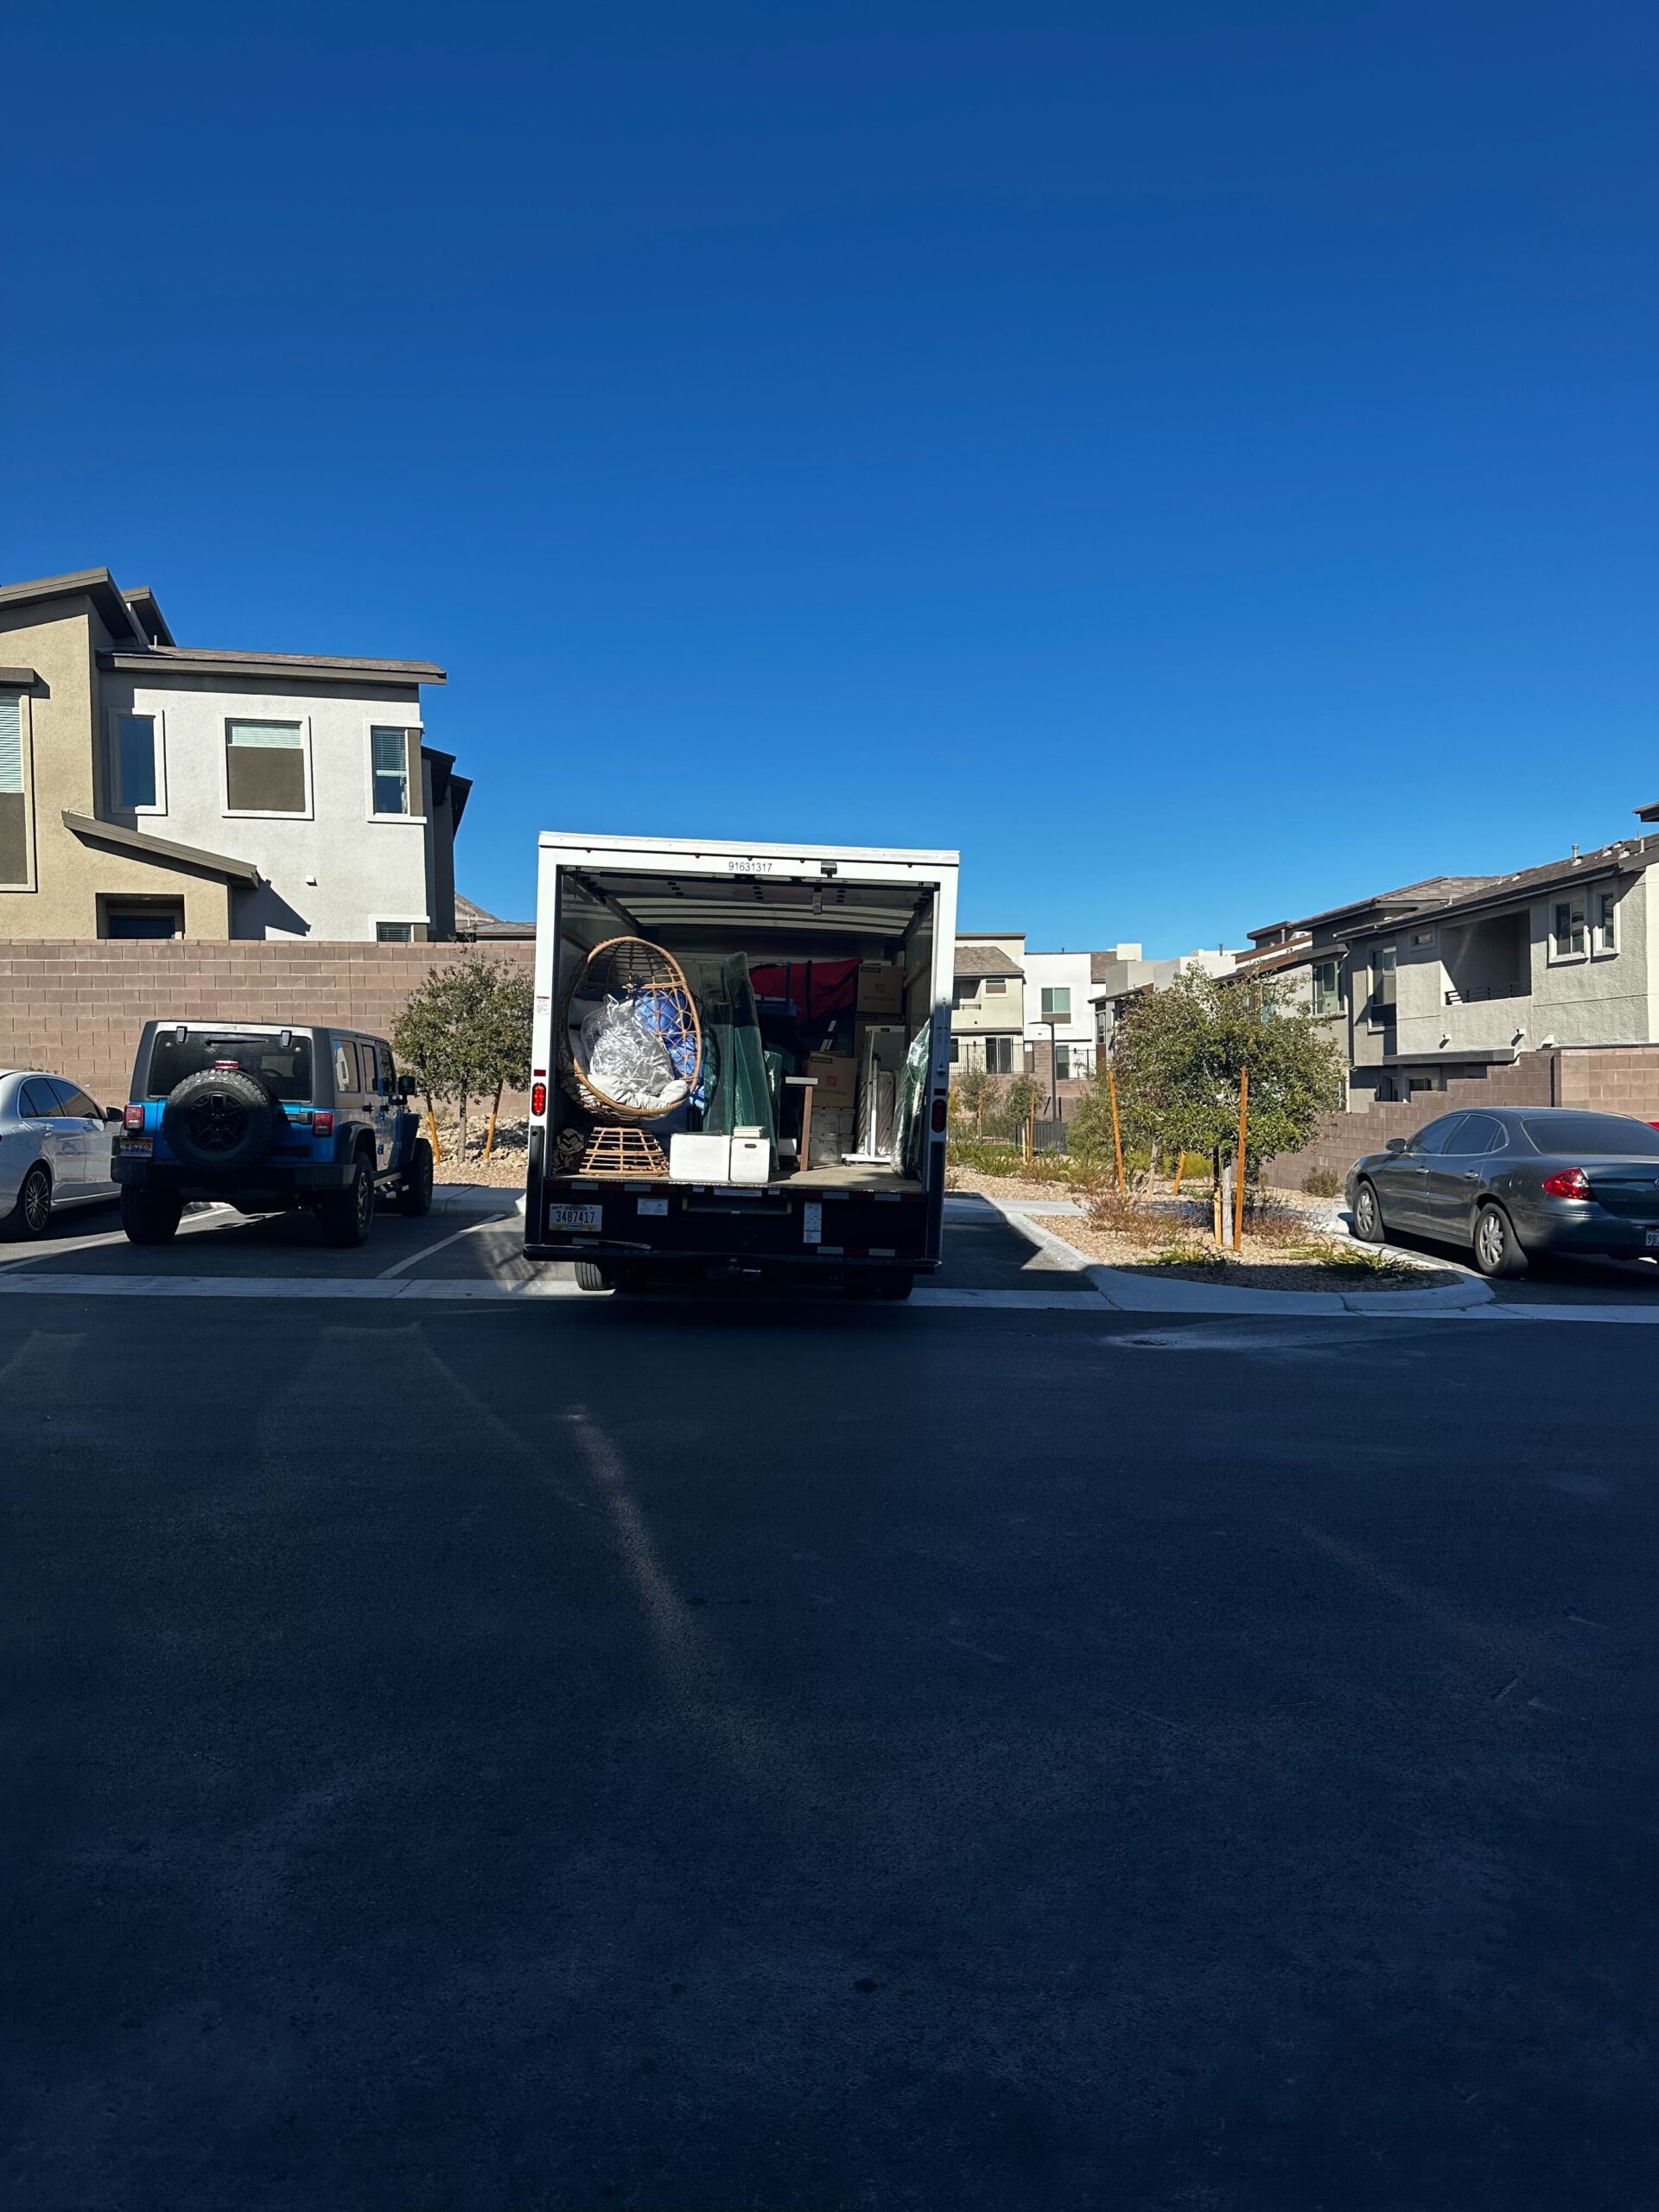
(703, 1758)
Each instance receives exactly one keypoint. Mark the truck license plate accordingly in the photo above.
(1653, 1240)
(575, 1216)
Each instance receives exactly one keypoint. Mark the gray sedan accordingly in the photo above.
(1513, 1182)
(54, 1150)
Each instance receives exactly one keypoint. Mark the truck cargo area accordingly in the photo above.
(796, 1011)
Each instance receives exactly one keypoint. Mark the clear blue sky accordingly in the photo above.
(1200, 460)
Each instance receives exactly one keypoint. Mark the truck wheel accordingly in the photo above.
(33, 1211)
(415, 1198)
(591, 1276)
(347, 1215)
(150, 1217)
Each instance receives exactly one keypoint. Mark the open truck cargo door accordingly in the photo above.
(739, 1060)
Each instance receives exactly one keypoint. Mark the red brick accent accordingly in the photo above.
(76, 1008)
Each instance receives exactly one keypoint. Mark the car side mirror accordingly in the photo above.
(1399, 1144)
(407, 1086)
(114, 1113)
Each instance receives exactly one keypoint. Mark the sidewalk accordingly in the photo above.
(1130, 1291)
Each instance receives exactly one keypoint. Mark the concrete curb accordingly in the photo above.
(1132, 1292)
(475, 1198)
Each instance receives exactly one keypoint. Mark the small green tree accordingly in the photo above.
(454, 1036)
(973, 1088)
(1022, 1095)
(506, 1054)
(1178, 1053)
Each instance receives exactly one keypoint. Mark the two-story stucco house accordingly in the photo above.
(1449, 978)
(1122, 973)
(987, 1019)
(1059, 1020)
(149, 788)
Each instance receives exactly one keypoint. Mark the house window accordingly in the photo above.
(1327, 987)
(135, 764)
(1606, 922)
(1062, 1064)
(956, 1051)
(1568, 936)
(996, 987)
(999, 1055)
(141, 918)
(1057, 1004)
(394, 932)
(1383, 988)
(14, 821)
(264, 767)
(963, 992)
(389, 751)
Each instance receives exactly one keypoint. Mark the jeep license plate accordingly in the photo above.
(1653, 1240)
(578, 1218)
(138, 1147)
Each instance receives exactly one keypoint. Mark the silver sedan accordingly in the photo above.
(54, 1150)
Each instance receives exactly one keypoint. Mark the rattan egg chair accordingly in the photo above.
(631, 968)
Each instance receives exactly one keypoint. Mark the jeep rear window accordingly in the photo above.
(286, 1068)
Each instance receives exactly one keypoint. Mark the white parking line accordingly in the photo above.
(412, 1259)
(209, 1218)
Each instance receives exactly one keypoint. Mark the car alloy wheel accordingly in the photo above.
(1491, 1238)
(1365, 1211)
(36, 1200)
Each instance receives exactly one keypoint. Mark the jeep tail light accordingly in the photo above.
(132, 1117)
(1570, 1183)
(323, 1125)
(538, 1099)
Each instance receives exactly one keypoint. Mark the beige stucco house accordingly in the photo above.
(151, 790)
(987, 1019)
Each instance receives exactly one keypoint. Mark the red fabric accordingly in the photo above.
(813, 986)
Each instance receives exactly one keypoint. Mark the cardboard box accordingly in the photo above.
(836, 1077)
(881, 986)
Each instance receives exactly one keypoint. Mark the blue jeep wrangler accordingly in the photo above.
(271, 1117)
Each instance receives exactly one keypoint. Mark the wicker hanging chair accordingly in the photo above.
(631, 968)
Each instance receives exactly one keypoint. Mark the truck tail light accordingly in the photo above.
(1570, 1183)
(323, 1125)
(538, 1099)
(132, 1117)
(940, 1111)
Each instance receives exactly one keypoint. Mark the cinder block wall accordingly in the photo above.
(1612, 1078)
(75, 1007)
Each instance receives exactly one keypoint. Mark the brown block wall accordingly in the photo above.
(1612, 1078)
(75, 1007)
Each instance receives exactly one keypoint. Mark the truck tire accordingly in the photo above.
(414, 1197)
(150, 1217)
(347, 1215)
(591, 1276)
(221, 1122)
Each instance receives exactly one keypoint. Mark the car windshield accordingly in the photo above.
(1594, 1133)
(286, 1068)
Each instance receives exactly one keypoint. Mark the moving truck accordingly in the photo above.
(797, 1005)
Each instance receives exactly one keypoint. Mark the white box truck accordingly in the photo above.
(811, 1130)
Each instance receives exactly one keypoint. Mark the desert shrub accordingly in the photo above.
(1323, 1183)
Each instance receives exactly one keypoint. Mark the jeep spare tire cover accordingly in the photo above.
(220, 1122)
